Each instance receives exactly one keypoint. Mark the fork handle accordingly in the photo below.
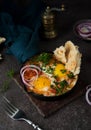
(36, 127)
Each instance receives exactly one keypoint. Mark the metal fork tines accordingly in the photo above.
(9, 108)
(17, 114)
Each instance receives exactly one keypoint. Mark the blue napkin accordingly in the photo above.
(22, 39)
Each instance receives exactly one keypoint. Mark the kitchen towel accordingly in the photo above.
(22, 39)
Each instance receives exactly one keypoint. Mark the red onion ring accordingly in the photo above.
(87, 96)
(34, 66)
(82, 33)
(29, 66)
(33, 76)
(24, 67)
(86, 26)
(23, 70)
(26, 83)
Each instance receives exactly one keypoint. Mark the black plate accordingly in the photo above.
(82, 23)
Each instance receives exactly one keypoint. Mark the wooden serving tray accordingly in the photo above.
(46, 108)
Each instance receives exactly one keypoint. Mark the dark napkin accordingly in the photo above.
(22, 39)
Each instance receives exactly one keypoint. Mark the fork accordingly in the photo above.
(17, 114)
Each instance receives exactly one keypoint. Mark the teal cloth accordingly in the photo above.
(22, 39)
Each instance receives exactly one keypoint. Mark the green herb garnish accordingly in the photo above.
(63, 83)
(5, 85)
(56, 83)
(44, 57)
(70, 75)
(49, 70)
(63, 71)
(59, 86)
(10, 73)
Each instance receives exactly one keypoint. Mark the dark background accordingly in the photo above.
(77, 114)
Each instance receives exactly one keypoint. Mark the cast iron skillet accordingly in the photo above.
(48, 98)
(51, 98)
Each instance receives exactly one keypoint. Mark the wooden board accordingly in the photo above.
(46, 108)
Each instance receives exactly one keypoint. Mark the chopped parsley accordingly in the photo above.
(44, 57)
(6, 83)
(70, 75)
(63, 83)
(49, 70)
(59, 86)
(63, 71)
(10, 73)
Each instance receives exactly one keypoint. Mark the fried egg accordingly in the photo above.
(42, 83)
(50, 74)
(60, 71)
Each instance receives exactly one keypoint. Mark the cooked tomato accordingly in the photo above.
(29, 73)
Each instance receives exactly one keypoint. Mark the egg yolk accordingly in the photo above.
(60, 71)
(42, 83)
